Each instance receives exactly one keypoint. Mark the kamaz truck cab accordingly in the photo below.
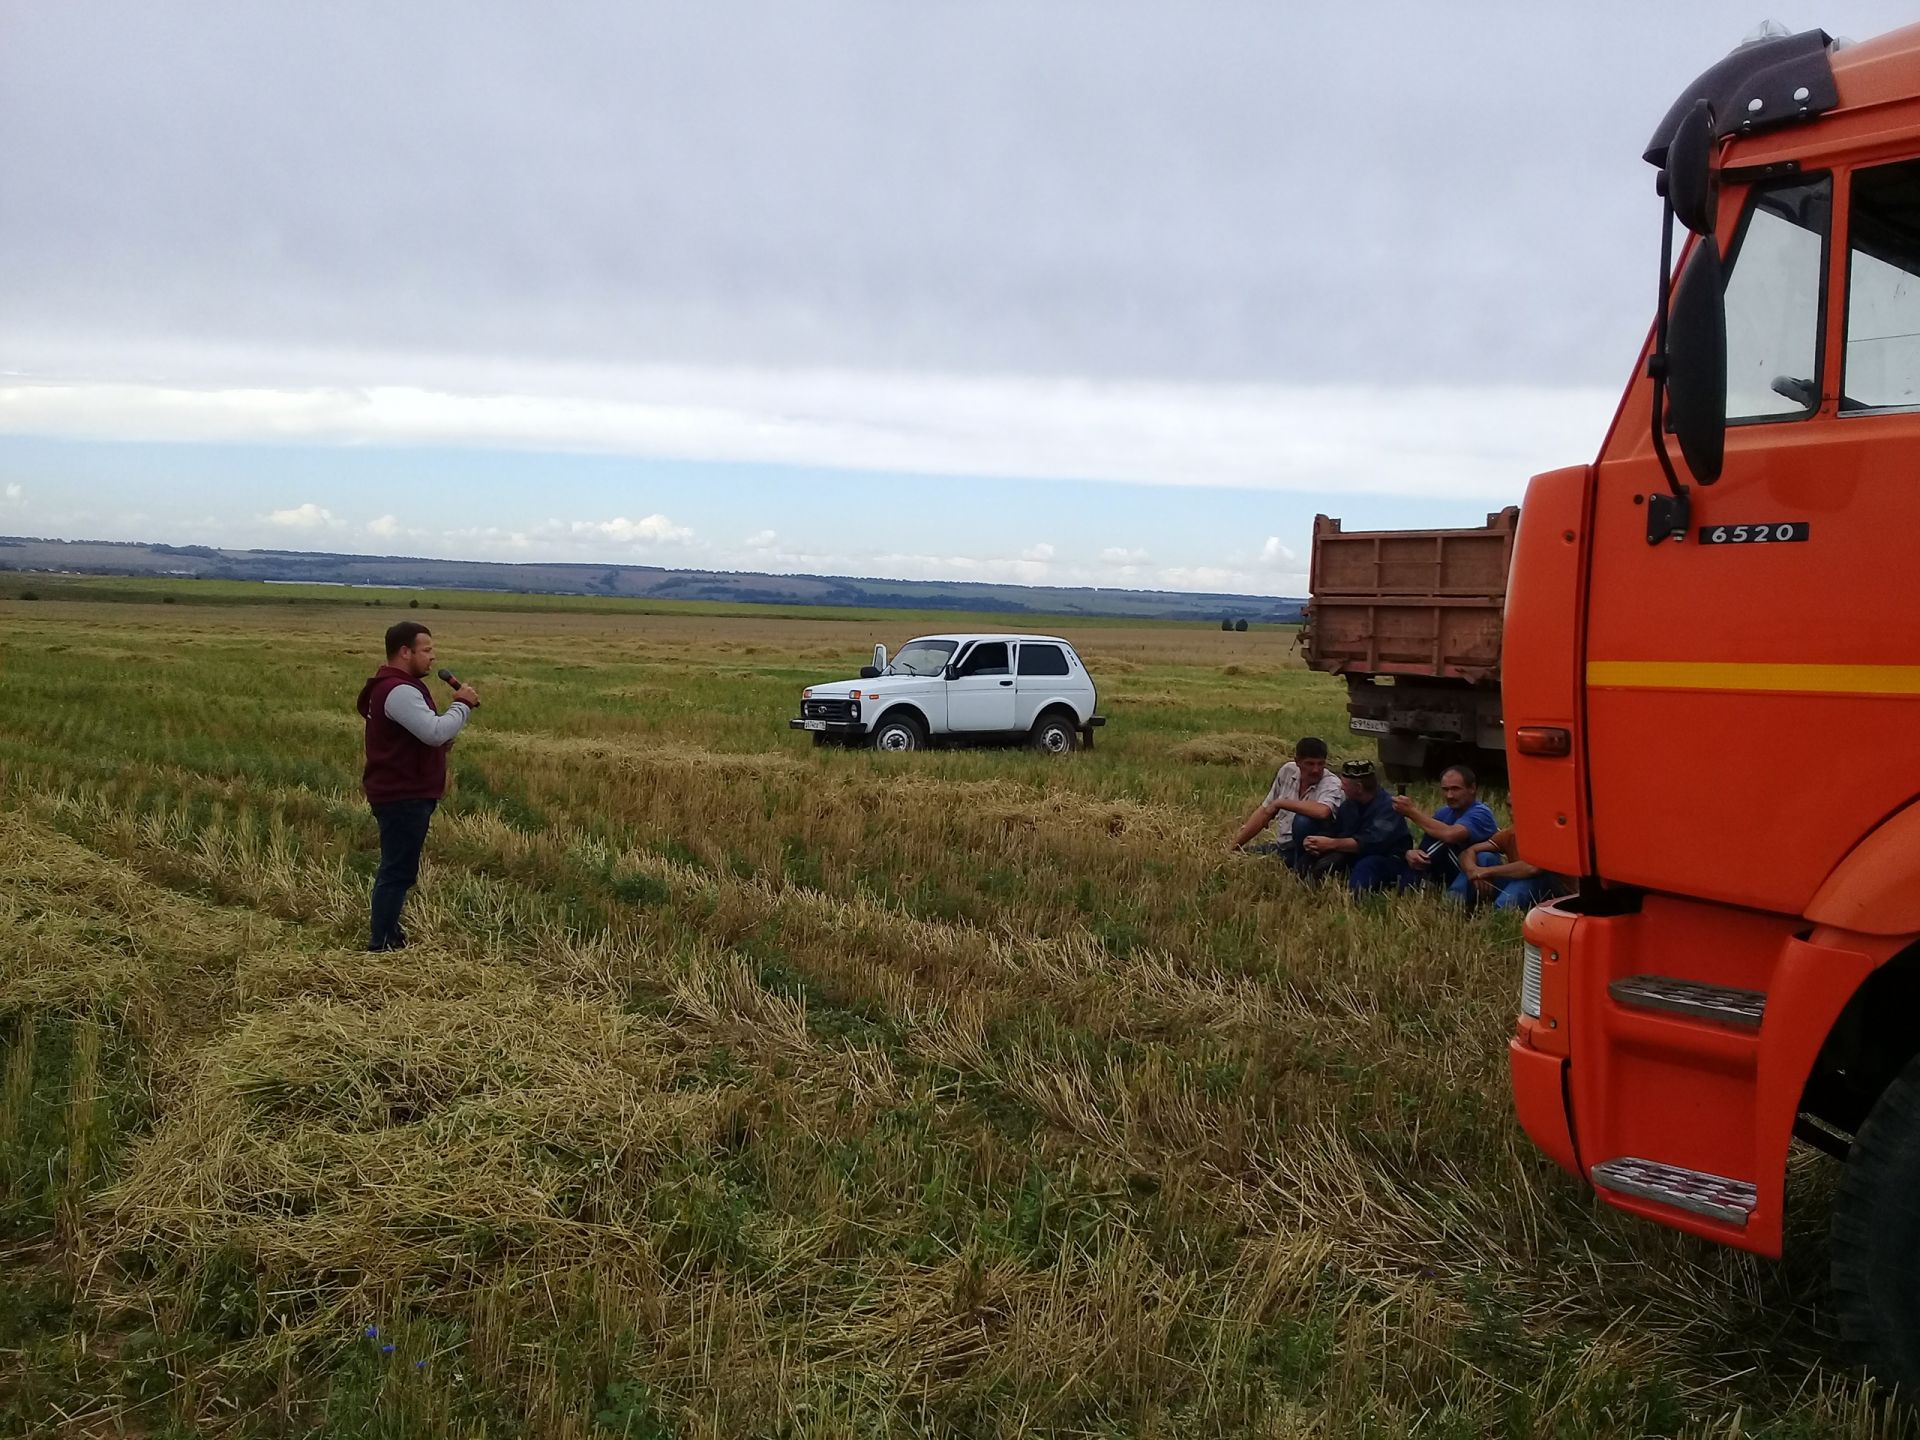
(1712, 695)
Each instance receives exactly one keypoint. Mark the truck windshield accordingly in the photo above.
(922, 657)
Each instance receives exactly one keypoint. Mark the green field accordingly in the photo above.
(737, 1088)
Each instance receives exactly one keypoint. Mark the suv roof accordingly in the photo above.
(995, 635)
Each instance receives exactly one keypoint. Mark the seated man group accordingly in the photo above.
(1349, 826)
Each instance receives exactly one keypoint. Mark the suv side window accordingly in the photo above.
(1042, 660)
(987, 658)
(1774, 294)
(1882, 370)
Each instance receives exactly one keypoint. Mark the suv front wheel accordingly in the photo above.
(899, 732)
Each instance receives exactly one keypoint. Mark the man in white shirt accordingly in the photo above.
(1301, 802)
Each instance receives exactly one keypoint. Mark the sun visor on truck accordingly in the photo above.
(1762, 84)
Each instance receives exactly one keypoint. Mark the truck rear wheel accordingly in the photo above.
(1876, 1239)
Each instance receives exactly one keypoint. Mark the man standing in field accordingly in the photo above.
(1300, 802)
(406, 774)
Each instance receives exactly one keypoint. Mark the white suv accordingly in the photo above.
(959, 688)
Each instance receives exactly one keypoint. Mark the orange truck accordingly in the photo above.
(1711, 684)
(1410, 619)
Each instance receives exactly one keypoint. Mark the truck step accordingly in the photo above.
(1717, 1004)
(1695, 1191)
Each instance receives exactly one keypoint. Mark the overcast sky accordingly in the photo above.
(1069, 293)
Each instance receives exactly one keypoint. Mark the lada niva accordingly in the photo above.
(959, 689)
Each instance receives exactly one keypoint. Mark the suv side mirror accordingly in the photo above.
(867, 672)
(1697, 362)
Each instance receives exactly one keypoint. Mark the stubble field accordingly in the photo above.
(737, 1088)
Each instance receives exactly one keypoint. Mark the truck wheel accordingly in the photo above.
(899, 732)
(1053, 735)
(1876, 1239)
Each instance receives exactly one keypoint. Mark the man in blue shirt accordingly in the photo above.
(1368, 836)
(1446, 834)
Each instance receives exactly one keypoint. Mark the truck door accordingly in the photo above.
(980, 694)
(1753, 691)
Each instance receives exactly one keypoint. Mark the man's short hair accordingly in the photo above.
(402, 635)
(1465, 772)
(1311, 747)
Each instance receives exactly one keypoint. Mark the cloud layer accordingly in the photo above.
(1423, 440)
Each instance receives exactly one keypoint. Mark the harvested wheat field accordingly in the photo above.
(736, 1088)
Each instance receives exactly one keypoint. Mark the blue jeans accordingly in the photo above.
(1522, 893)
(1525, 893)
(1377, 872)
(403, 835)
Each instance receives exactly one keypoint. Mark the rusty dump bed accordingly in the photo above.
(1409, 602)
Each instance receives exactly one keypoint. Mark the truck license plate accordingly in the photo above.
(813, 725)
(1366, 726)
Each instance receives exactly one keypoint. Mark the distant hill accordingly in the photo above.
(647, 582)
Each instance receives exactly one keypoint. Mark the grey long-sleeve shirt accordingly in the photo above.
(406, 706)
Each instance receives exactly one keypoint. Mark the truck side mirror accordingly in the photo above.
(1697, 362)
(1688, 179)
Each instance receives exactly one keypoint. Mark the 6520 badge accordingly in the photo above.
(1777, 532)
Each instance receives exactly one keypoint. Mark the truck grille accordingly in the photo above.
(829, 710)
(1530, 981)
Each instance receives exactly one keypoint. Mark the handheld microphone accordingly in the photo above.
(454, 680)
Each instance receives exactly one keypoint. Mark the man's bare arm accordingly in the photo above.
(1261, 817)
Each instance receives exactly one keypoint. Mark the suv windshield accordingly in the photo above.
(922, 657)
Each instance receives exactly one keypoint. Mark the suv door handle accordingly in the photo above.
(1006, 682)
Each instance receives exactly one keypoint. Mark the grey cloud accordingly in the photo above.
(1390, 194)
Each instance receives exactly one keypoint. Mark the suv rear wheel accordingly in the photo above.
(899, 732)
(1053, 734)
(1876, 1239)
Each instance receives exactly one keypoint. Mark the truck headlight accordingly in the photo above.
(1530, 980)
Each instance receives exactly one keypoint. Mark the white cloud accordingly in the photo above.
(1120, 555)
(763, 540)
(1443, 442)
(16, 494)
(302, 517)
(648, 530)
(386, 527)
(1274, 553)
(1041, 552)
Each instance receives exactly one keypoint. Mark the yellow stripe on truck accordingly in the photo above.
(1782, 679)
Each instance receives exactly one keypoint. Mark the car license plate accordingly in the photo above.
(814, 725)
(1366, 726)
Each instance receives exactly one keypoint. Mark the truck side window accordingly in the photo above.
(1042, 660)
(1883, 289)
(1773, 301)
(989, 658)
